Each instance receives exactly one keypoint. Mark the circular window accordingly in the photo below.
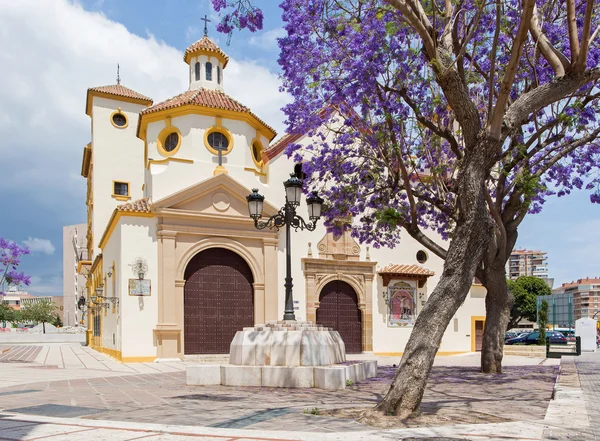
(171, 142)
(422, 256)
(218, 141)
(257, 151)
(119, 120)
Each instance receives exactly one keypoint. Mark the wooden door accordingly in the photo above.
(478, 334)
(338, 309)
(218, 301)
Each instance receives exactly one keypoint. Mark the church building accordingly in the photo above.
(176, 264)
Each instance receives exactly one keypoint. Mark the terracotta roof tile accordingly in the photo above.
(213, 99)
(119, 90)
(279, 146)
(205, 44)
(140, 206)
(410, 270)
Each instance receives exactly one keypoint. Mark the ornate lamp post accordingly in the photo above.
(287, 217)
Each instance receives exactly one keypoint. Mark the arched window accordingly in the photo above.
(209, 71)
(197, 71)
(218, 75)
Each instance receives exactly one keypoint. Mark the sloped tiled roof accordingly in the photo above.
(214, 99)
(279, 146)
(119, 90)
(409, 270)
(139, 206)
(205, 44)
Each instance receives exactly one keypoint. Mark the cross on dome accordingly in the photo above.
(206, 21)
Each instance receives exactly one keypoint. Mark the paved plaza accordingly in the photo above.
(70, 392)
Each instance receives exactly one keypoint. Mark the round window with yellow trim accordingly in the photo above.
(169, 141)
(257, 152)
(218, 139)
(119, 120)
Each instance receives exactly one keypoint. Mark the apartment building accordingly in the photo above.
(586, 296)
(74, 252)
(527, 263)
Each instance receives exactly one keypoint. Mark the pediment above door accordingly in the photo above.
(219, 195)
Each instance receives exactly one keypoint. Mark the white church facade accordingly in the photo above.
(177, 265)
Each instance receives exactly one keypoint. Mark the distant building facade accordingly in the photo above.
(528, 263)
(586, 296)
(74, 252)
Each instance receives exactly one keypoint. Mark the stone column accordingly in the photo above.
(271, 288)
(259, 303)
(170, 300)
(368, 314)
(312, 301)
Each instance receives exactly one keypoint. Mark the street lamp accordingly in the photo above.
(287, 217)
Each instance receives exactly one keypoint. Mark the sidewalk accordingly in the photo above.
(69, 392)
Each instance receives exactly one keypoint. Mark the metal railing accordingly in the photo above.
(557, 351)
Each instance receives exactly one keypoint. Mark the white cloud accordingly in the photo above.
(267, 40)
(52, 52)
(50, 285)
(39, 245)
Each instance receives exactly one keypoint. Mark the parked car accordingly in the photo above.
(509, 335)
(556, 338)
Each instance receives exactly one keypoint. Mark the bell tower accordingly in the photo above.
(207, 62)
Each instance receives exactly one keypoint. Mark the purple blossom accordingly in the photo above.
(10, 257)
(370, 100)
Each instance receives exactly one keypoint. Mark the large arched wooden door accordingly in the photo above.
(338, 309)
(218, 301)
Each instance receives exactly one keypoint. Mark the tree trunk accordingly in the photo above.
(466, 249)
(498, 303)
(44, 326)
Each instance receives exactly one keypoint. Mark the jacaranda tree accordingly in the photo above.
(10, 258)
(452, 117)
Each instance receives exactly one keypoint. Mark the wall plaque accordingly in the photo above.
(139, 287)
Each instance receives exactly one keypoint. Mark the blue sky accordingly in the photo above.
(52, 51)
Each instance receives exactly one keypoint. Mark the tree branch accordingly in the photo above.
(572, 27)
(495, 125)
(558, 62)
(493, 62)
(546, 94)
(585, 37)
(419, 22)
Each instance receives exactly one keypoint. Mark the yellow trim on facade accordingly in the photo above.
(167, 160)
(162, 136)
(95, 93)
(191, 109)
(148, 359)
(114, 219)
(81, 263)
(119, 112)
(256, 172)
(118, 355)
(86, 161)
(121, 197)
(208, 53)
(224, 131)
(475, 318)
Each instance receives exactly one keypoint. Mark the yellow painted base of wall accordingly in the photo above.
(399, 354)
(119, 357)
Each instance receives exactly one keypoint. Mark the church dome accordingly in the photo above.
(207, 62)
(205, 46)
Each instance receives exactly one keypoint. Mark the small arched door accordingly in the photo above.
(218, 301)
(338, 309)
